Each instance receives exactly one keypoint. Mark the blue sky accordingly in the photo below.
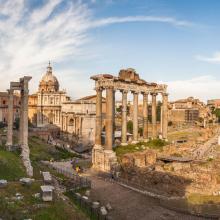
(174, 42)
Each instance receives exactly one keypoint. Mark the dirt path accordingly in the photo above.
(129, 205)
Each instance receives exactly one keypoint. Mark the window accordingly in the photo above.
(51, 100)
(45, 100)
(4, 102)
(71, 122)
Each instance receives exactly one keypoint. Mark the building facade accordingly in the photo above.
(213, 103)
(4, 106)
(189, 110)
(50, 105)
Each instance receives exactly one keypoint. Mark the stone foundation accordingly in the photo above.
(103, 159)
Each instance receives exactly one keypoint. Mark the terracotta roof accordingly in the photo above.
(88, 97)
(3, 94)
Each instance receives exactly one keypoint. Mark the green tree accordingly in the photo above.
(159, 104)
(17, 123)
(217, 113)
(130, 127)
(119, 109)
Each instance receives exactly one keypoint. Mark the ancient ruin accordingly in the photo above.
(21, 86)
(127, 81)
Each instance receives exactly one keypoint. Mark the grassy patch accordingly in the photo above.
(11, 167)
(85, 210)
(40, 150)
(58, 211)
(34, 208)
(141, 146)
(179, 135)
(198, 199)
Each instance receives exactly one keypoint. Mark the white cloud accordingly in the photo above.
(30, 37)
(203, 87)
(215, 58)
(115, 20)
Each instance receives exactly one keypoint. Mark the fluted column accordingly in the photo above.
(10, 119)
(124, 118)
(135, 117)
(154, 115)
(98, 129)
(110, 118)
(145, 116)
(165, 116)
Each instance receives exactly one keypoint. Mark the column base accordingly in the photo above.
(135, 142)
(124, 144)
(102, 159)
(8, 146)
(146, 140)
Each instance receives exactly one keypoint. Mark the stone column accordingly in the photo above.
(165, 116)
(110, 118)
(124, 118)
(66, 123)
(98, 128)
(10, 120)
(25, 149)
(154, 115)
(21, 118)
(145, 116)
(135, 117)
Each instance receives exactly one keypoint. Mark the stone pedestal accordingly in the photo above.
(103, 159)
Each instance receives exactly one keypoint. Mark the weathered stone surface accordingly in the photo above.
(26, 181)
(150, 157)
(138, 86)
(139, 160)
(3, 183)
(95, 205)
(103, 210)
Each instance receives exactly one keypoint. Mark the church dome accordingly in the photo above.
(49, 82)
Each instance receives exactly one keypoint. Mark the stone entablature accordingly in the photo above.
(104, 81)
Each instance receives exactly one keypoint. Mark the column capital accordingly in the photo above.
(99, 89)
(109, 87)
(135, 92)
(165, 94)
(154, 93)
(10, 91)
(124, 91)
(145, 93)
